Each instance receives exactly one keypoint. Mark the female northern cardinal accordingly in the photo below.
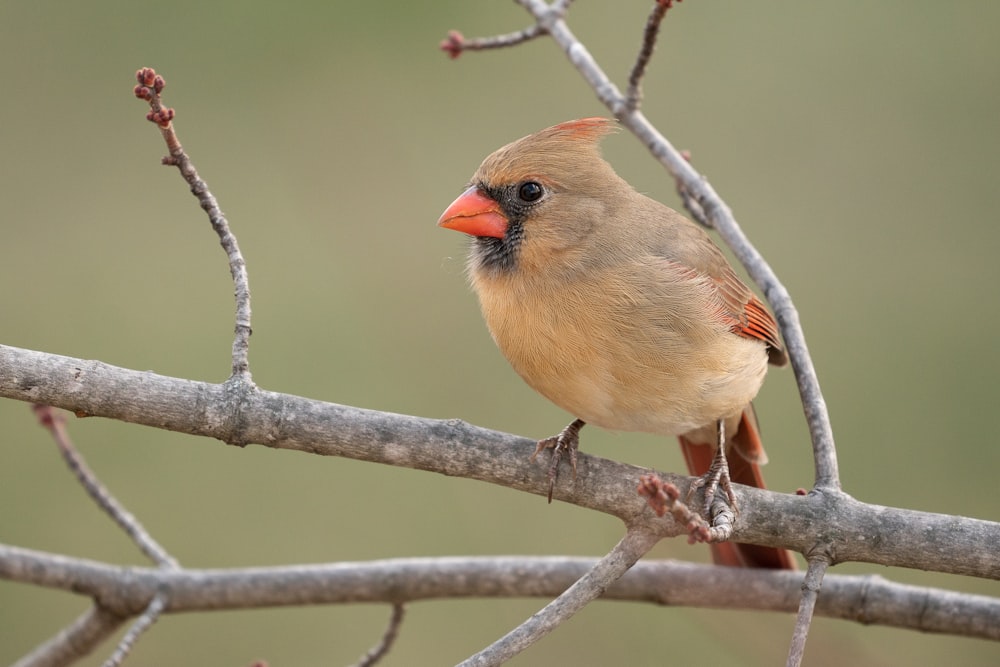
(617, 308)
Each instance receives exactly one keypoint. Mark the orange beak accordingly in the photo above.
(476, 214)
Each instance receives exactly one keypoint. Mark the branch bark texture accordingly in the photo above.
(126, 591)
(845, 528)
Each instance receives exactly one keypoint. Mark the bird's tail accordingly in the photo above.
(745, 455)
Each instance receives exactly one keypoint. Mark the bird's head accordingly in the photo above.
(534, 201)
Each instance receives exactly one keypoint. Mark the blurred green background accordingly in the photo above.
(857, 143)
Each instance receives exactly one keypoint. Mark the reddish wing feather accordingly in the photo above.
(760, 324)
(747, 316)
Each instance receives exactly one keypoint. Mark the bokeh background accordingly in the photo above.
(857, 143)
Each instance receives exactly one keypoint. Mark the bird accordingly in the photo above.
(619, 310)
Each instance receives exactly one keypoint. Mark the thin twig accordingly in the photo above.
(149, 88)
(456, 43)
(141, 624)
(634, 96)
(691, 205)
(590, 586)
(55, 422)
(379, 651)
(75, 641)
(811, 586)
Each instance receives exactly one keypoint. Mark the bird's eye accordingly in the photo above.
(530, 191)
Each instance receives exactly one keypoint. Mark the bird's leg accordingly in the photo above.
(717, 475)
(568, 440)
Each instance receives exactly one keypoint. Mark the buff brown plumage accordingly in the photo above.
(617, 308)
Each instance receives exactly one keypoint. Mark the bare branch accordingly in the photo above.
(149, 88)
(811, 586)
(634, 96)
(56, 424)
(586, 589)
(74, 642)
(831, 521)
(388, 638)
(455, 43)
(141, 624)
(126, 591)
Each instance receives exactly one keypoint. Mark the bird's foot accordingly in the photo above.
(716, 478)
(568, 440)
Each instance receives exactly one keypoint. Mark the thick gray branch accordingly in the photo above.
(831, 521)
(867, 599)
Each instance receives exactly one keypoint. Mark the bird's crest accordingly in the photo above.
(554, 155)
(585, 129)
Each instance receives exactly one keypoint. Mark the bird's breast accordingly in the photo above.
(623, 353)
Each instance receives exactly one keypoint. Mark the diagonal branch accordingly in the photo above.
(585, 590)
(56, 424)
(807, 606)
(74, 642)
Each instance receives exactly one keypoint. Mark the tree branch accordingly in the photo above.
(149, 88)
(125, 591)
(74, 642)
(634, 96)
(831, 521)
(152, 613)
(56, 424)
(584, 590)
(385, 643)
(807, 606)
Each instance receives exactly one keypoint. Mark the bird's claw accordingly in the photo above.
(717, 477)
(568, 440)
(712, 481)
